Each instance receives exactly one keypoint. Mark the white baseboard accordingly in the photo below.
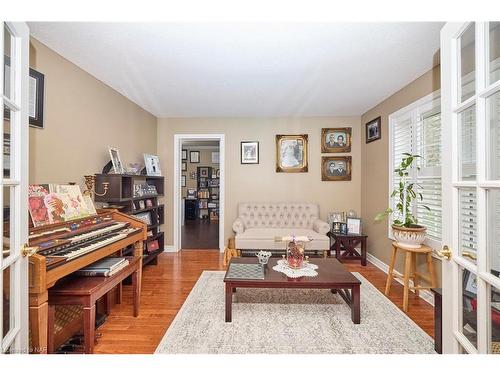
(169, 249)
(426, 295)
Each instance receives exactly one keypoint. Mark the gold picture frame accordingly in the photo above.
(335, 140)
(291, 153)
(336, 168)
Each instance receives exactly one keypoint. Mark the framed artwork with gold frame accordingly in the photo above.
(336, 168)
(291, 153)
(335, 140)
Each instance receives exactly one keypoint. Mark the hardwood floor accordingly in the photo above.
(200, 234)
(166, 286)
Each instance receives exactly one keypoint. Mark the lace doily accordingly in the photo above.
(307, 269)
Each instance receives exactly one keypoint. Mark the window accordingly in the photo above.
(417, 129)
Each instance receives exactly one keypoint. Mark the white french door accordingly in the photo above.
(14, 73)
(470, 87)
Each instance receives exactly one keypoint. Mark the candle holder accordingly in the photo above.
(90, 183)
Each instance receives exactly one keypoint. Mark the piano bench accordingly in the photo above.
(85, 291)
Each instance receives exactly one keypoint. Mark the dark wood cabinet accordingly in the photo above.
(122, 194)
(190, 209)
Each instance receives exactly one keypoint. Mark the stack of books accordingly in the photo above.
(104, 267)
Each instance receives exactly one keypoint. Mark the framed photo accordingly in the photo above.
(249, 152)
(183, 166)
(336, 168)
(204, 172)
(35, 97)
(291, 153)
(183, 180)
(194, 156)
(149, 203)
(335, 140)
(353, 225)
(116, 161)
(373, 130)
(217, 174)
(184, 155)
(215, 157)
(142, 205)
(152, 163)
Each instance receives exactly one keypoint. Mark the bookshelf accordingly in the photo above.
(208, 193)
(122, 193)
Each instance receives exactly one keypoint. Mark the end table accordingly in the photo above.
(344, 246)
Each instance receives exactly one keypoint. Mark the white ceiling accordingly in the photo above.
(248, 69)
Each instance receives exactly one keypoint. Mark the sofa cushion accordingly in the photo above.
(263, 238)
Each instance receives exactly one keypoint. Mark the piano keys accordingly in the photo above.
(66, 247)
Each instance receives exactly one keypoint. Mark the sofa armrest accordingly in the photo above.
(238, 226)
(321, 226)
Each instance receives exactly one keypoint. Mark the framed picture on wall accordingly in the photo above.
(184, 155)
(336, 168)
(335, 140)
(194, 156)
(184, 166)
(204, 172)
(183, 180)
(373, 130)
(291, 153)
(249, 152)
(215, 157)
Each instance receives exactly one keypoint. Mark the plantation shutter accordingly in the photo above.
(468, 220)
(402, 143)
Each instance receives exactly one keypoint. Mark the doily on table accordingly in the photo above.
(307, 269)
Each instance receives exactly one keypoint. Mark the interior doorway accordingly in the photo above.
(198, 215)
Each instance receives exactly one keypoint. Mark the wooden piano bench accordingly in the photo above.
(85, 291)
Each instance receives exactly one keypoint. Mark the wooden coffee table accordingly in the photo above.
(331, 275)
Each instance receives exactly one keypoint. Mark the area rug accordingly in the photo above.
(290, 321)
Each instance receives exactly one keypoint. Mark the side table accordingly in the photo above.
(344, 246)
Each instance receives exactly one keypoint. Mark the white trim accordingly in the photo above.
(192, 148)
(426, 295)
(169, 249)
(178, 139)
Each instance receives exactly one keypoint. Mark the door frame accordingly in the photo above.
(178, 140)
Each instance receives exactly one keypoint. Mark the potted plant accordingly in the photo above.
(405, 226)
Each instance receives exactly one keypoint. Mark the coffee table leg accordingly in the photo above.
(229, 301)
(363, 251)
(356, 305)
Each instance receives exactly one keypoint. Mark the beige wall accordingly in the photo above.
(83, 116)
(375, 159)
(261, 182)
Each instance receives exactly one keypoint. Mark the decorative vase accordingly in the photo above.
(411, 237)
(295, 254)
(263, 257)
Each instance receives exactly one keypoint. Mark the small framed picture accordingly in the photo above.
(152, 163)
(335, 140)
(183, 180)
(217, 174)
(336, 168)
(144, 216)
(149, 203)
(184, 155)
(215, 157)
(204, 172)
(184, 166)
(193, 175)
(249, 153)
(353, 225)
(343, 228)
(373, 130)
(142, 205)
(116, 161)
(291, 153)
(194, 156)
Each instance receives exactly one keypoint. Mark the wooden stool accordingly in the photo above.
(410, 271)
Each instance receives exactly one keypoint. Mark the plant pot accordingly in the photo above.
(412, 237)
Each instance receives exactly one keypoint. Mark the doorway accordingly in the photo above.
(198, 195)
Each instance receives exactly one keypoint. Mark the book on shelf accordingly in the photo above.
(104, 267)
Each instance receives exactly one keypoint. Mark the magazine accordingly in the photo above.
(36, 204)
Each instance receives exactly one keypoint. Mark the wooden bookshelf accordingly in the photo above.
(121, 194)
(208, 193)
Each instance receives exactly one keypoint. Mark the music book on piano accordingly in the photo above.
(103, 267)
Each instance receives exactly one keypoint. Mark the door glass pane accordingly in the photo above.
(468, 223)
(8, 302)
(493, 223)
(6, 148)
(493, 118)
(7, 223)
(467, 146)
(466, 80)
(495, 321)
(494, 67)
(8, 69)
(468, 324)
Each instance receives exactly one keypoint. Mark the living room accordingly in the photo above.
(250, 187)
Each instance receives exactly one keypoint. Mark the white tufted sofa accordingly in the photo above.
(258, 224)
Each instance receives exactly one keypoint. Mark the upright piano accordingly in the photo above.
(66, 247)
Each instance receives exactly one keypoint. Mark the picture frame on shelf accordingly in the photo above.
(336, 168)
(292, 153)
(373, 129)
(152, 163)
(142, 205)
(144, 216)
(249, 152)
(149, 203)
(116, 160)
(194, 157)
(204, 172)
(353, 226)
(335, 140)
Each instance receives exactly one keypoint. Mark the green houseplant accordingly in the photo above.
(405, 227)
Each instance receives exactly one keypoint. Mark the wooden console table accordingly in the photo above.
(85, 291)
(344, 246)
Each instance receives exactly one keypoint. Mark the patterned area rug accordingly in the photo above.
(290, 321)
